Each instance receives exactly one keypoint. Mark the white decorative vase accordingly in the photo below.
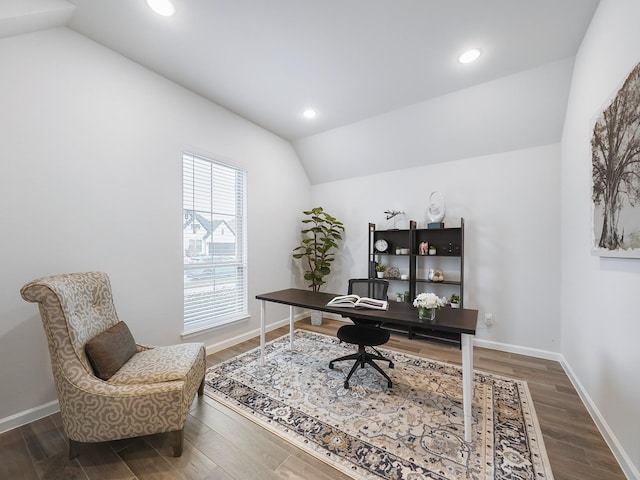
(316, 317)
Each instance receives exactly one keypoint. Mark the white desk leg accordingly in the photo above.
(291, 327)
(262, 327)
(467, 383)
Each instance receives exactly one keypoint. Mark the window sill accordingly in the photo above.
(200, 329)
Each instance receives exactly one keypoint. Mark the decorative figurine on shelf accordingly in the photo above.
(392, 214)
(435, 211)
(423, 248)
(435, 275)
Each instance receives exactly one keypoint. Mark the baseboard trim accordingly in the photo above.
(623, 459)
(216, 347)
(529, 352)
(616, 448)
(27, 416)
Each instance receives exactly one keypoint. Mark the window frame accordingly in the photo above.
(224, 187)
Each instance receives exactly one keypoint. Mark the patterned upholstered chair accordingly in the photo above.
(150, 393)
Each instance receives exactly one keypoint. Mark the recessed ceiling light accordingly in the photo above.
(309, 113)
(162, 7)
(470, 56)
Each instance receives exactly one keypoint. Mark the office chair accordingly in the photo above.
(365, 335)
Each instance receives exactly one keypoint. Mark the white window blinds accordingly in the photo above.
(214, 233)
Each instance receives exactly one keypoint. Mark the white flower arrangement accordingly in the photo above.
(428, 300)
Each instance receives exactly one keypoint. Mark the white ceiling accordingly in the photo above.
(268, 60)
(351, 60)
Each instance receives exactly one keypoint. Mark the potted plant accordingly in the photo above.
(320, 235)
(454, 300)
(427, 304)
(380, 269)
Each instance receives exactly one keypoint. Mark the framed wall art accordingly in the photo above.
(615, 164)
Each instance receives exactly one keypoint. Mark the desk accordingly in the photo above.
(453, 326)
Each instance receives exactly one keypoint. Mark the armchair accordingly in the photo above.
(151, 393)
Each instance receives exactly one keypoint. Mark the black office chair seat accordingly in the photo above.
(363, 336)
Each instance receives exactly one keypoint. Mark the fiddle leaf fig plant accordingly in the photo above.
(319, 244)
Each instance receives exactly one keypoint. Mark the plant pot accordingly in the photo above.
(316, 317)
(380, 274)
(455, 305)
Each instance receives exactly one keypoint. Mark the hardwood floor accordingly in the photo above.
(220, 444)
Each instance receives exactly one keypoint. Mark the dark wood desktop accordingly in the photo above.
(400, 316)
(453, 326)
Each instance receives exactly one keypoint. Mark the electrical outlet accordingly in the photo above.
(488, 319)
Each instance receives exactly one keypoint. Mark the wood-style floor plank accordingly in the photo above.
(16, 461)
(193, 464)
(221, 444)
(148, 464)
(100, 461)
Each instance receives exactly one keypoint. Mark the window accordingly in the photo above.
(214, 242)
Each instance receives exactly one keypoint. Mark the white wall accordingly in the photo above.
(600, 322)
(510, 205)
(91, 178)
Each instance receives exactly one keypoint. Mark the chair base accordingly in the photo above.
(177, 442)
(74, 449)
(363, 358)
(201, 388)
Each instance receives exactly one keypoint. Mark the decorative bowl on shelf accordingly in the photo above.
(392, 272)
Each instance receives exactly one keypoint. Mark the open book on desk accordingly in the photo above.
(356, 301)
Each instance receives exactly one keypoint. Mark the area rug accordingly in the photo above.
(409, 432)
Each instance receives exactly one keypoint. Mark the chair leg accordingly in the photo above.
(74, 450)
(361, 358)
(359, 361)
(353, 356)
(377, 367)
(178, 439)
(381, 357)
(201, 388)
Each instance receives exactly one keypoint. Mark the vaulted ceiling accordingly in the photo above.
(363, 65)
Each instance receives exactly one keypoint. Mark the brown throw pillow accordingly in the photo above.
(109, 350)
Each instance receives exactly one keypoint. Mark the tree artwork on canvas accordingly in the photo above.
(615, 159)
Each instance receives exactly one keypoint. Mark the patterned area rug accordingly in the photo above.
(412, 431)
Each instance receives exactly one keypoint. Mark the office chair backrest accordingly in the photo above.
(369, 287)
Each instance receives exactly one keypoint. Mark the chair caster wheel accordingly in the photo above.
(390, 385)
(346, 385)
(331, 366)
(390, 364)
